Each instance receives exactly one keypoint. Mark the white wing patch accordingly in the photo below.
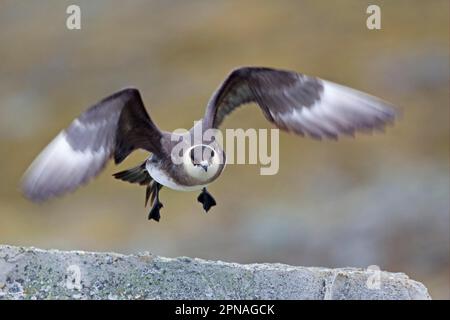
(59, 168)
(340, 110)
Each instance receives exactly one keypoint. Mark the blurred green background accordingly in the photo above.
(381, 199)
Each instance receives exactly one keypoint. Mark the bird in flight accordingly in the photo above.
(120, 124)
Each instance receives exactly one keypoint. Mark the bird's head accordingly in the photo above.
(202, 161)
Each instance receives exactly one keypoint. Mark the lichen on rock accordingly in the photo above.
(30, 273)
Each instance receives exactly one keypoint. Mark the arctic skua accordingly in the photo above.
(119, 124)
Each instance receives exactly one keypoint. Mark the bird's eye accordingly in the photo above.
(192, 155)
(212, 153)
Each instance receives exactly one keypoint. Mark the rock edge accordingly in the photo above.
(31, 273)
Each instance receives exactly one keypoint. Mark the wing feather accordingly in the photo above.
(298, 103)
(115, 126)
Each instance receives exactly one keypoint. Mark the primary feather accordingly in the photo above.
(115, 126)
(298, 103)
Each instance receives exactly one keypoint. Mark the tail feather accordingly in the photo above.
(137, 174)
(141, 176)
(148, 192)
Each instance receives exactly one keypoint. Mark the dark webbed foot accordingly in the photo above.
(154, 193)
(154, 212)
(206, 199)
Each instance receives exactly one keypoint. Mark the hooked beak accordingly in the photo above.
(205, 167)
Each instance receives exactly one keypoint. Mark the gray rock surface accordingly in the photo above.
(30, 273)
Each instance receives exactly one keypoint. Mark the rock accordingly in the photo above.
(30, 273)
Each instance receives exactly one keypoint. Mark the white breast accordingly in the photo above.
(162, 178)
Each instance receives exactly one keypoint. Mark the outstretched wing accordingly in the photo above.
(302, 104)
(115, 126)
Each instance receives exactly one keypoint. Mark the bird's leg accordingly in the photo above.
(206, 199)
(154, 212)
